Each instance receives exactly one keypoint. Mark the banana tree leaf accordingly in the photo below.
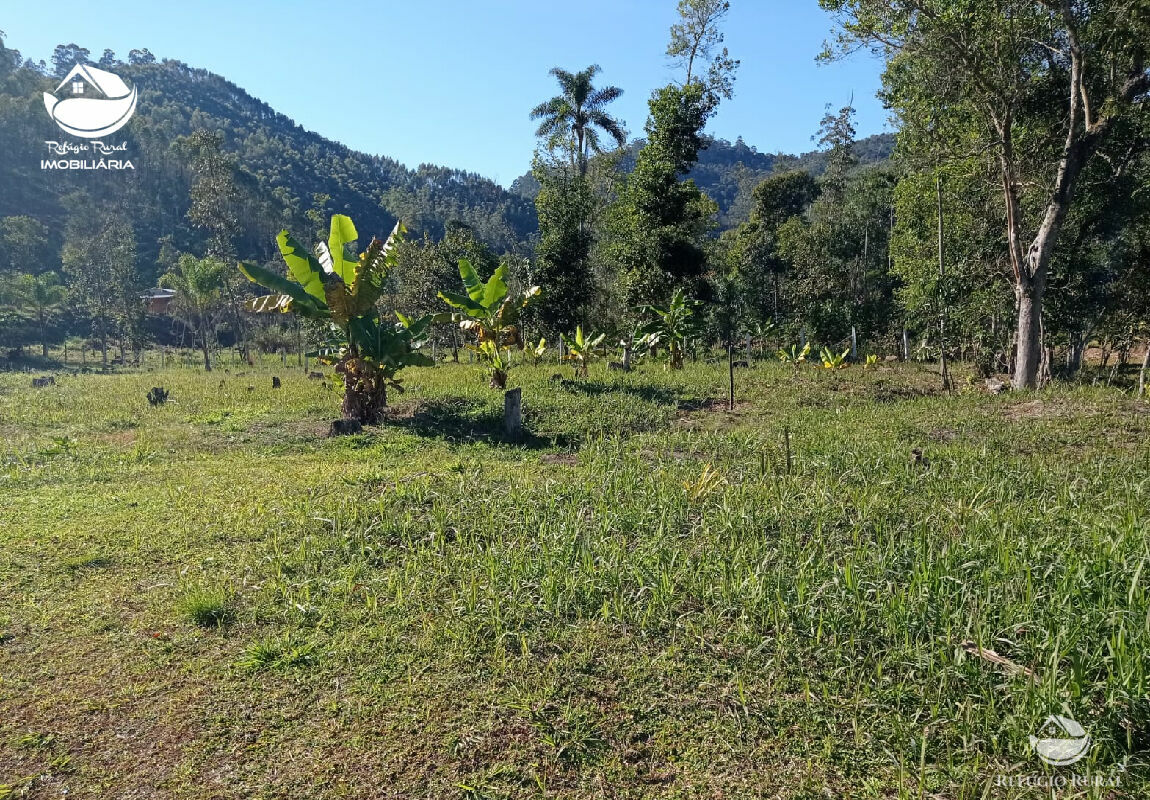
(463, 303)
(496, 287)
(363, 332)
(475, 287)
(302, 266)
(342, 304)
(305, 303)
(417, 328)
(342, 233)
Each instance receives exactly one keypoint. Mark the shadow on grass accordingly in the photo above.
(460, 419)
(659, 395)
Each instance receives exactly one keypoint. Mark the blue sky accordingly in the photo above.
(451, 82)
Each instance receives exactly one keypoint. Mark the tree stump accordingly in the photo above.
(345, 427)
(513, 413)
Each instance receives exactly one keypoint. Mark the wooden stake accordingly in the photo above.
(513, 413)
(731, 370)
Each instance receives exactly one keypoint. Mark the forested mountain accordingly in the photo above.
(282, 170)
(729, 172)
(285, 171)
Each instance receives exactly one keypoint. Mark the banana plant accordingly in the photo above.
(795, 356)
(490, 313)
(535, 351)
(669, 327)
(832, 360)
(581, 350)
(367, 352)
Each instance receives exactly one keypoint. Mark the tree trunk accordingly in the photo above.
(731, 375)
(364, 392)
(1028, 341)
(1142, 372)
(204, 346)
(104, 340)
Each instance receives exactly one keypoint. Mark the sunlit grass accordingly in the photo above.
(642, 595)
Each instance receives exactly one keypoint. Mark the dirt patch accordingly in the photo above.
(121, 438)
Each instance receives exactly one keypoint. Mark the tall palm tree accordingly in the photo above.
(577, 112)
(198, 283)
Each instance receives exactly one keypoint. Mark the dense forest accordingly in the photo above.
(1010, 231)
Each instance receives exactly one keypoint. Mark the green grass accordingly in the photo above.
(640, 600)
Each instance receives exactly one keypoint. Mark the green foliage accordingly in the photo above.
(581, 350)
(833, 360)
(669, 328)
(343, 289)
(489, 313)
(535, 351)
(198, 283)
(41, 295)
(566, 205)
(837, 259)
(795, 356)
(278, 652)
(425, 603)
(659, 224)
(208, 606)
(99, 257)
(695, 42)
(753, 255)
(569, 120)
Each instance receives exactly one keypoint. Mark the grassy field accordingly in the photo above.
(212, 599)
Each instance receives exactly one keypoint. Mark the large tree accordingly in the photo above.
(660, 222)
(1039, 84)
(42, 294)
(99, 256)
(198, 283)
(753, 258)
(574, 118)
(696, 47)
(567, 200)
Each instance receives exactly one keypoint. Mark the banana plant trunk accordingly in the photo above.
(364, 391)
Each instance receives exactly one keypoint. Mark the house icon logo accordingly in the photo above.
(91, 102)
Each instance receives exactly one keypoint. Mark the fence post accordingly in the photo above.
(854, 344)
(513, 413)
(905, 345)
